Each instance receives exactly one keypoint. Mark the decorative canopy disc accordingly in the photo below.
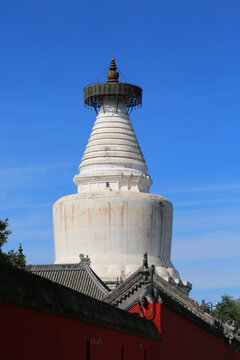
(95, 93)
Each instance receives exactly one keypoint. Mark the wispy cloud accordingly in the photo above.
(214, 187)
(36, 219)
(37, 234)
(18, 205)
(220, 275)
(187, 221)
(24, 175)
(215, 245)
(34, 229)
(32, 168)
(207, 202)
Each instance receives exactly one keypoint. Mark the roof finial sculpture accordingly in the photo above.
(84, 260)
(145, 260)
(113, 75)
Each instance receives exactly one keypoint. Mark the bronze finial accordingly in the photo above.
(113, 75)
(113, 65)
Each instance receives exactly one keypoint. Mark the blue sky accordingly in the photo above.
(185, 55)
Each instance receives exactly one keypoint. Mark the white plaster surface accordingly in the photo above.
(113, 219)
(115, 229)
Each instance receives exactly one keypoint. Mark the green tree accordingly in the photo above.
(4, 232)
(228, 309)
(16, 258)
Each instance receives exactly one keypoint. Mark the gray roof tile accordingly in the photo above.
(74, 276)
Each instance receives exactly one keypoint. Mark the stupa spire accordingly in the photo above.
(113, 158)
(113, 75)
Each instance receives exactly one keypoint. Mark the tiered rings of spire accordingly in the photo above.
(113, 157)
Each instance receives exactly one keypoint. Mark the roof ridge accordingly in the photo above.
(182, 298)
(117, 295)
(94, 276)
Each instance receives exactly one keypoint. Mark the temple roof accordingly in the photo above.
(79, 277)
(127, 294)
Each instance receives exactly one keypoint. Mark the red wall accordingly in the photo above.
(182, 339)
(28, 334)
(153, 312)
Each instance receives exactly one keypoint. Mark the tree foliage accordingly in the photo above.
(16, 258)
(4, 232)
(228, 310)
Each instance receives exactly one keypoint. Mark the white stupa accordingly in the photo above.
(113, 218)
